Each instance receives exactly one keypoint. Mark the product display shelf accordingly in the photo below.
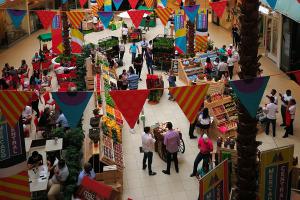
(224, 111)
(189, 72)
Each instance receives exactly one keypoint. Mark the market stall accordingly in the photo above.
(109, 46)
(135, 34)
(152, 15)
(163, 52)
(159, 130)
(155, 81)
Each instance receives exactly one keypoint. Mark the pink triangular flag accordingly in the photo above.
(218, 7)
(45, 17)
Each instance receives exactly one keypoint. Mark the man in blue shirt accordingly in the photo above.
(133, 79)
(87, 171)
(62, 121)
(133, 50)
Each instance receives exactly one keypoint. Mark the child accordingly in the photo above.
(172, 82)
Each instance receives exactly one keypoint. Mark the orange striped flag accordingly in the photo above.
(75, 18)
(15, 187)
(163, 14)
(149, 3)
(12, 103)
(201, 42)
(95, 10)
(190, 99)
(100, 3)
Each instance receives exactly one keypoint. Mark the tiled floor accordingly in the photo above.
(137, 184)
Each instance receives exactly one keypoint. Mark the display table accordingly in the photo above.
(135, 35)
(154, 81)
(38, 178)
(159, 130)
(54, 145)
(189, 69)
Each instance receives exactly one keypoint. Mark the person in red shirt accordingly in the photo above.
(206, 146)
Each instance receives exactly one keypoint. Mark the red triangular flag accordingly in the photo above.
(12, 103)
(218, 7)
(190, 99)
(133, 3)
(82, 2)
(297, 76)
(45, 17)
(130, 103)
(136, 16)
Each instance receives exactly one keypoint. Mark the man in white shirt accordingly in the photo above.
(124, 33)
(289, 130)
(148, 147)
(271, 109)
(284, 103)
(144, 45)
(222, 68)
(273, 94)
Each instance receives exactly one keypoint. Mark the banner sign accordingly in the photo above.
(178, 21)
(202, 21)
(12, 148)
(214, 185)
(275, 168)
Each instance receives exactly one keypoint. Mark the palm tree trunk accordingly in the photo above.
(191, 31)
(247, 166)
(65, 24)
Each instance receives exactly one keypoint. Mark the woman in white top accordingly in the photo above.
(291, 110)
(124, 33)
(204, 122)
(230, 62)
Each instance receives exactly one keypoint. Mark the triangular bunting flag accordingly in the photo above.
(173, 4)
(136, 16)
(218, 7)
(133, 3)
(75, 18)
(100, 3)
(12, 103)
(82, 3)
(72, 104)
(272, 3)
(149, 3)
(250, 92)
(105, 18)
(95, 10)
(123, 100)
(190, 99)
(191, 12)
(107, 5)
(77, 39)
(16, 16)
(164, 2)
(15, 187)
(163, 14)
(201, 42)
(297, 76)
(45, 17)
(180, 45)
(117, 3)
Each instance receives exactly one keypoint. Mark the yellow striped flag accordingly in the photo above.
(61, 47)
(100, 3)
(15, 187)
(75, 18)
(12, 103)
(201, 42)
(149, 3)
(163, 14)
(190, 99)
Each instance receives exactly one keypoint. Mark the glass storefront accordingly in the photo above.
(271, 32)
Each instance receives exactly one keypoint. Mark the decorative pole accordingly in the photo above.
(65, 24)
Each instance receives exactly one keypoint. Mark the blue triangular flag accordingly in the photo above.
(191, 12)
(272, 3)
(72, 104)
(250, 92)
(117, 3)
(164, 3)
(105, 18)
(16, 16)
(180, 45)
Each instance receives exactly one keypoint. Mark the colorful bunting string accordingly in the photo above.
(136, 16)
(45, 17)
(163, 14)
(117, 3)
(75, 18)
(12, 103)
(107, 5)
(16, 16)
(123, 100)
(250, 92)
(105, 18)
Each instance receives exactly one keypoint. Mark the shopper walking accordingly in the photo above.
(122, 50)
(148, 148)
(230, 63)
(138, 65)
(149, 60)
(273, 94)
(284, 103)
(144, 45)
(208, 66)
(193, 125)
(205, 146)
(291, 111)
(133, 50)
(234, 32)
(172, 141)
(204, 122)
(271, 109)
(124, 80)
(147, 23)
(133, 79)
(172, 82)
(222, 68)
(124, 31)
